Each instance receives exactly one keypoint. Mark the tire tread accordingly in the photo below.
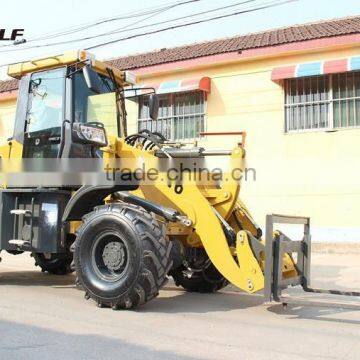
(155, 259)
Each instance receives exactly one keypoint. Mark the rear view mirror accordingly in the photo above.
(153, 106)
(92, 79)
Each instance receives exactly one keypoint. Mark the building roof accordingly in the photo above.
(8, 85)
(286, 35)
(296, 33)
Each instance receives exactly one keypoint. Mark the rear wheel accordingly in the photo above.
(121, 256)
(57, 264)
(197, 273)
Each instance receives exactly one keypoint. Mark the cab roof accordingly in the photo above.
(18, 70)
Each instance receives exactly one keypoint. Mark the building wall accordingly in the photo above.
(312, 173)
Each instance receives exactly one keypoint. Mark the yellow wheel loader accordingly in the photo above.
(124, 238)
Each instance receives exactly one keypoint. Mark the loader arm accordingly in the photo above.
(208, 231)
(236, 262)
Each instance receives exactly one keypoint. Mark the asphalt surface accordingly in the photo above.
(45, 317)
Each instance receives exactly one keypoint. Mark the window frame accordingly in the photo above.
(172, 116)
(330, 101)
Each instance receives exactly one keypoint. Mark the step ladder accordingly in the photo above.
(21, 244)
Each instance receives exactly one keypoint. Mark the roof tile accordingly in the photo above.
(8, 85)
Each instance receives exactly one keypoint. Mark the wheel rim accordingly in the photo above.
(109, 256)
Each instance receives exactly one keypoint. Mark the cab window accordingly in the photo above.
(45, 110)
(90, 106)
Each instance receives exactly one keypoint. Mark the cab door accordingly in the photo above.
(45, 114)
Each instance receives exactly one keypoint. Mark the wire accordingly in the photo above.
(126, 29)
(191, 23)
(267, 5)
(85, 26)
(179, 26)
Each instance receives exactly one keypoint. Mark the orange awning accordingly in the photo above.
(175, 86)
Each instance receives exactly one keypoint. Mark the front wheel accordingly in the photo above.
(121, 255)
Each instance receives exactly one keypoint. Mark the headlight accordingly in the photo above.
(93, 134)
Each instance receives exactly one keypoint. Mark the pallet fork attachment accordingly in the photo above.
(277, 246)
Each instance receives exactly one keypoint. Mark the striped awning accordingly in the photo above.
(316, 68)
(175, 86)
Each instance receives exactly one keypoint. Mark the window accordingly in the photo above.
(346, 99)
(322, 102)
(181, 116)
(90, 106)
(82, 94)
(45, 112)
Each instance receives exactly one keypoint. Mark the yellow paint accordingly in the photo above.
(252, 278)
(71, 57)
(7, 117)
(37, 64)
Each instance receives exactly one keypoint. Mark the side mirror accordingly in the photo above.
(153, 106)
(92, 79)
(90, 133)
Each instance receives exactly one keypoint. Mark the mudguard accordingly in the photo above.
(87, 197)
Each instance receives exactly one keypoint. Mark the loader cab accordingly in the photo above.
(52, 103)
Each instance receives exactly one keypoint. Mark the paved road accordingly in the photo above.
(46, 317)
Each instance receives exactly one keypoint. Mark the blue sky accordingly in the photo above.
(40, 17)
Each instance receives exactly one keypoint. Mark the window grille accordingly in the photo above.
(322, 102)
(181, 115)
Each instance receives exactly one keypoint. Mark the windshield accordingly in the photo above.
(82, 94)
(45, 111)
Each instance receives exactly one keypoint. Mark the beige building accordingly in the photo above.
(296, 93)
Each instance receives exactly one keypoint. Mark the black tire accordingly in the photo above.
(198, 276)
(121, 256)
(57, 264)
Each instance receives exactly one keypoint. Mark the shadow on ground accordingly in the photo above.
(36, 278)
(314, 313)
(19, 341)
(174, 300)
(324, 277)
(186, 302)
